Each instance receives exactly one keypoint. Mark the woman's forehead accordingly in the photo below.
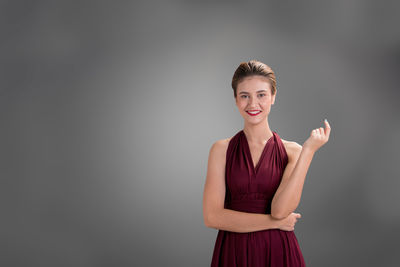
(254, 84)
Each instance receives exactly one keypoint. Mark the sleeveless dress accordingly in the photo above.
(250, 189)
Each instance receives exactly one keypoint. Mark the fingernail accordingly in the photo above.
(325, 120)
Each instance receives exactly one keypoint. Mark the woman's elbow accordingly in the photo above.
(278, 215)
(208, 221)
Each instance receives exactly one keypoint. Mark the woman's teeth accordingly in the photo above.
(253, 112)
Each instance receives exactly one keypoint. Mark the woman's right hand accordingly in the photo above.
(287, 224)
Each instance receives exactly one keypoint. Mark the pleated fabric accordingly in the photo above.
(251, 188)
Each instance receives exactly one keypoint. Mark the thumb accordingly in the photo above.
(327, 128)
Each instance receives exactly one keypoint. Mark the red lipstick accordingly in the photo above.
(254, 112)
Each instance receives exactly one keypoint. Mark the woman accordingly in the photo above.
(255, 180)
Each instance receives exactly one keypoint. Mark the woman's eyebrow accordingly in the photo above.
(244, 92)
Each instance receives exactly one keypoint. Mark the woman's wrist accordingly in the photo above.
(273, 222)
(308, 150)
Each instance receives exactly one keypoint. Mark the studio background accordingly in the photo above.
(108, 110)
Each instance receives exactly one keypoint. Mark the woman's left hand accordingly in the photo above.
(318, 137)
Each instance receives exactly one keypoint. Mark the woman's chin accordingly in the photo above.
(254, 121)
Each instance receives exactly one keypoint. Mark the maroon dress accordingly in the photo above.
(251, 189)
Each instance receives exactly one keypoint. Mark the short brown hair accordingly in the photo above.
(253, 68)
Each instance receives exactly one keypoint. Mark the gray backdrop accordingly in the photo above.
(108, 110)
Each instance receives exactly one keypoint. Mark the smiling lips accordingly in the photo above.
(253, 112)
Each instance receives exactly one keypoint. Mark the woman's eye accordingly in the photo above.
(260, 95)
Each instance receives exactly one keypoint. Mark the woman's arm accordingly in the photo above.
(287, 197)
(241, 222)
(215, 215)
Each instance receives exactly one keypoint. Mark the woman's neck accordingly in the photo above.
(257, 133)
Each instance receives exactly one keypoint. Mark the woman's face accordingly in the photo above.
(254, 94)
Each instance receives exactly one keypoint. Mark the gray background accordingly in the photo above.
(108, 110)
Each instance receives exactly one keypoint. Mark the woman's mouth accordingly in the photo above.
(254, 112)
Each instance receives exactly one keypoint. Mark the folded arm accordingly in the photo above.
(288, 195)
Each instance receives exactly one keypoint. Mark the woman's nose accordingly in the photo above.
(253, 101)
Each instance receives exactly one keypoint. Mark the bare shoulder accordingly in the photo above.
(220, 147)
(293, 149)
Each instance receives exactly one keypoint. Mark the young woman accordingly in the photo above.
(255, 180)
